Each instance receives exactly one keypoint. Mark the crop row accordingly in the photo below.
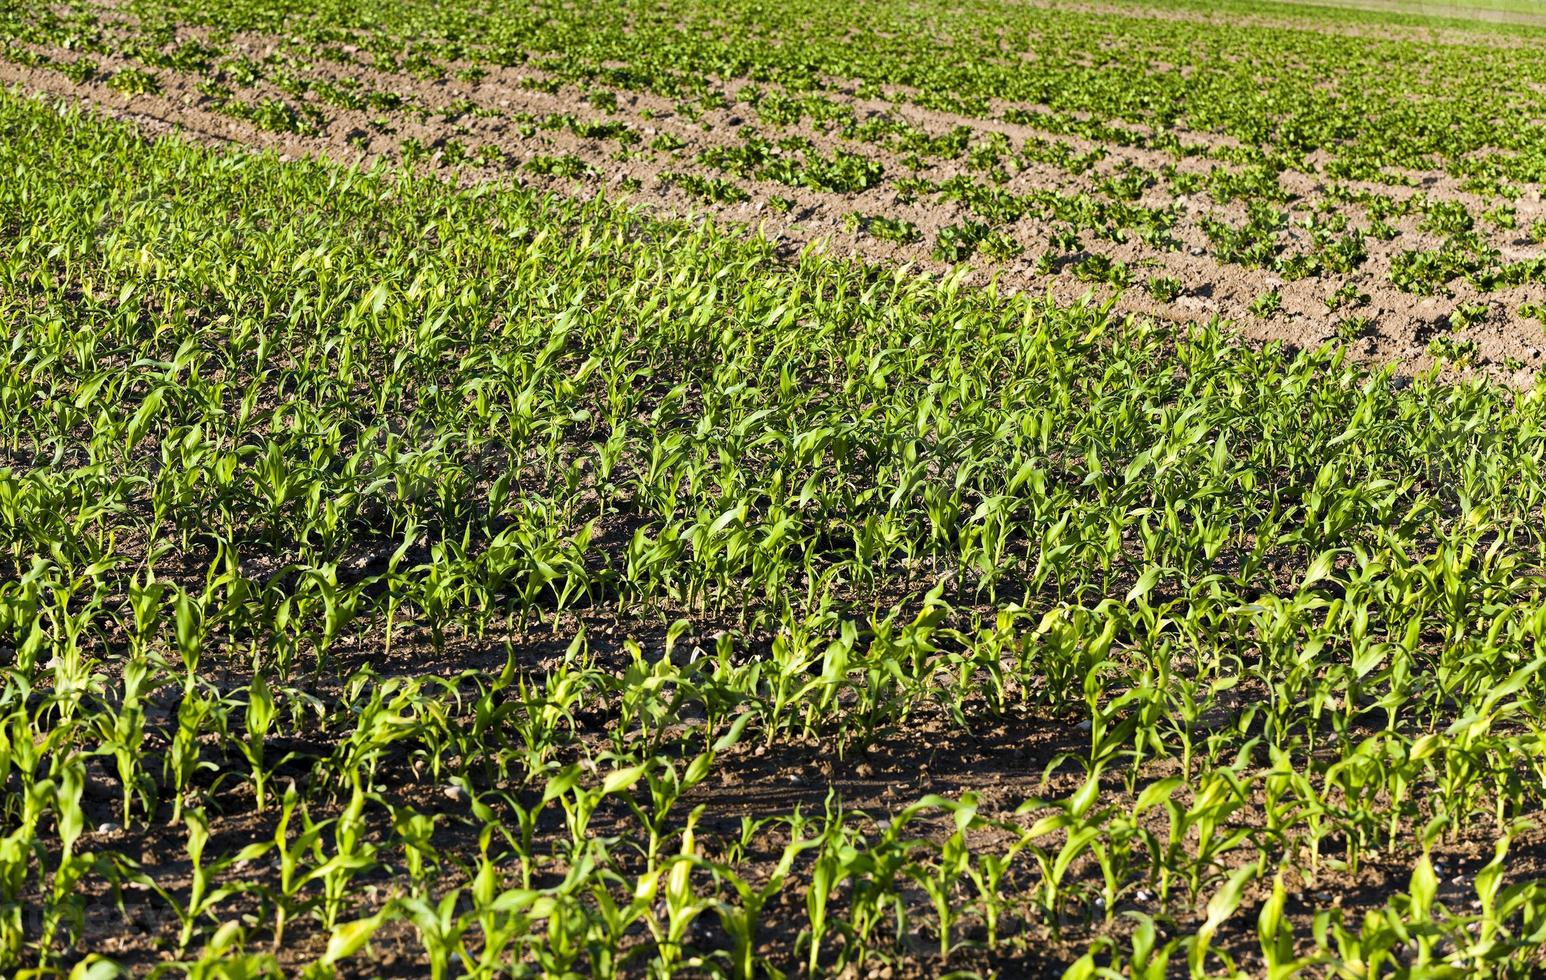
(398, 567)
(1061, 198)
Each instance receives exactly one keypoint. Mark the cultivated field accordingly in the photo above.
(741, 489)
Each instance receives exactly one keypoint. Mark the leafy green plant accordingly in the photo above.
(1165, 289)
(1267, 303)
(134, 81)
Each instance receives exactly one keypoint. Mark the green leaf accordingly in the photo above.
(1144, 585)
(348, 938)
(1424, 886)
(1156, 793)
(621, 779)
(140, 423)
